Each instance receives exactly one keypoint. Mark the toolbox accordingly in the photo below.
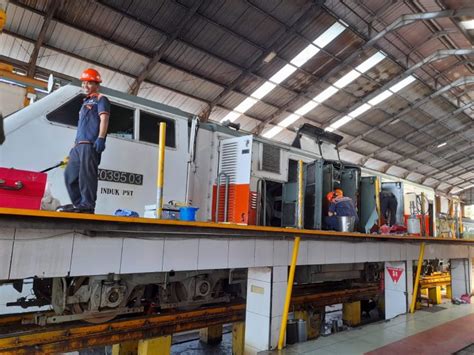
(21, 188)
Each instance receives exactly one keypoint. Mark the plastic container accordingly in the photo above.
(291, 331)
(188, 213)
(21, 188)
(345, 223)
(302, 332)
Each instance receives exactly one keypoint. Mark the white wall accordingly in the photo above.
(11, 98)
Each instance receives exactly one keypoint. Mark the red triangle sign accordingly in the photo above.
(395, 273)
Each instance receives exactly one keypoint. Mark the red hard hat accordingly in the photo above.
(330, 196)
(91, 75)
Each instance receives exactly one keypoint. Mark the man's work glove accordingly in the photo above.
(99, 145)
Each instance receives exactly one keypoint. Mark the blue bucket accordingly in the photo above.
(188, 213)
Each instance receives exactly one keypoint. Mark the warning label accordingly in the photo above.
(395, 273)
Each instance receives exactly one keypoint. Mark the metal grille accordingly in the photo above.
(229, 158)
(271, 158)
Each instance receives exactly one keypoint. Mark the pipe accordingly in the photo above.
(294, 258)
(161, 170)
(417, 278)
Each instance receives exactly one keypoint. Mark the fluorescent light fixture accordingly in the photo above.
(370, 62)
(263, 90)
(380, 97)
(283, 73)
(347, 79)
(289, 120)
(246, 104)
(273, 131)
(468, 25)
(400, 85)
(326, 94)
(269, 57)
(441, 145)
(327, 36)
(303, 110)
(341, 122)
(305, 55)
(231, 116)
(359, 110)
(329, 129)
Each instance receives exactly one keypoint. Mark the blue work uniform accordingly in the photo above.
(82, 170)
(341, 206)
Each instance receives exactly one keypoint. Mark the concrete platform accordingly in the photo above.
(443, 332)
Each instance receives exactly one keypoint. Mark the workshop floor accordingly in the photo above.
(444, 332)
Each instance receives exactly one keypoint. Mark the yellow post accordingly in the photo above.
(238, 338)
(351, 313)
(211, 335)
(417, 278)
(161, 170)
(378, 188)
(294, 258)
(125, 348)
(434, 294)
(155, 346)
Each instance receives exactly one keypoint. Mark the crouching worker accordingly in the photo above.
(81, 175)
(339, 206)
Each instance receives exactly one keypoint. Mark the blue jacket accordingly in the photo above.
(343, 206)
(89, 117)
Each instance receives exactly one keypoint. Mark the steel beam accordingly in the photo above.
(49, 13)
(159, 53)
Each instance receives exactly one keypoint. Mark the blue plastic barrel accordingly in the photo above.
(188, 213)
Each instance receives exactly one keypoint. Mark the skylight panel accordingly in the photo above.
(303, 110)
(305, 55)
(283, 73)
(380, 97)
(400, 85)
(347, 79)
(326, 94)
(263, 90)
(272, 132)
(359, 110)
(289, 120)
(327, 36)
(370, 62)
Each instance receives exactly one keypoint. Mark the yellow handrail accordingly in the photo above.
(161, 171)
(294, 258)
(417, 278)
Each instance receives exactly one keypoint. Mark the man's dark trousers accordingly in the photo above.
(81, 175)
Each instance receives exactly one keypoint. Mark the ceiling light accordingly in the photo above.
(370, 62)
(468, 25)
(400, 85)
(246, 104)
(359, 110)
(327, 36)
(441, 145)
(292, 118)
(347, 79)
(380, 97)
(303, 110)
(263, 90)
(326, 94)
(305, 55)
(283, 73)
(231, 116)
(273, 131)
(269, 57)
(341, 122)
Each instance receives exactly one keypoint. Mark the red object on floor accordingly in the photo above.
(21, 188)
(443, 339)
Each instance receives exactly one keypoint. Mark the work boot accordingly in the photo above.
(65, 208)
(83, 209)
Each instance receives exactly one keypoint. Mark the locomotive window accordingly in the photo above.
(121, 118)
(121, 121)
(68, 113)
(149, 127)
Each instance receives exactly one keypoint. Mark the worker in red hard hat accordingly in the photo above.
(81, 175)
(339, 205)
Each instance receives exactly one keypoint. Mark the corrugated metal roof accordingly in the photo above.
(224, 38)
